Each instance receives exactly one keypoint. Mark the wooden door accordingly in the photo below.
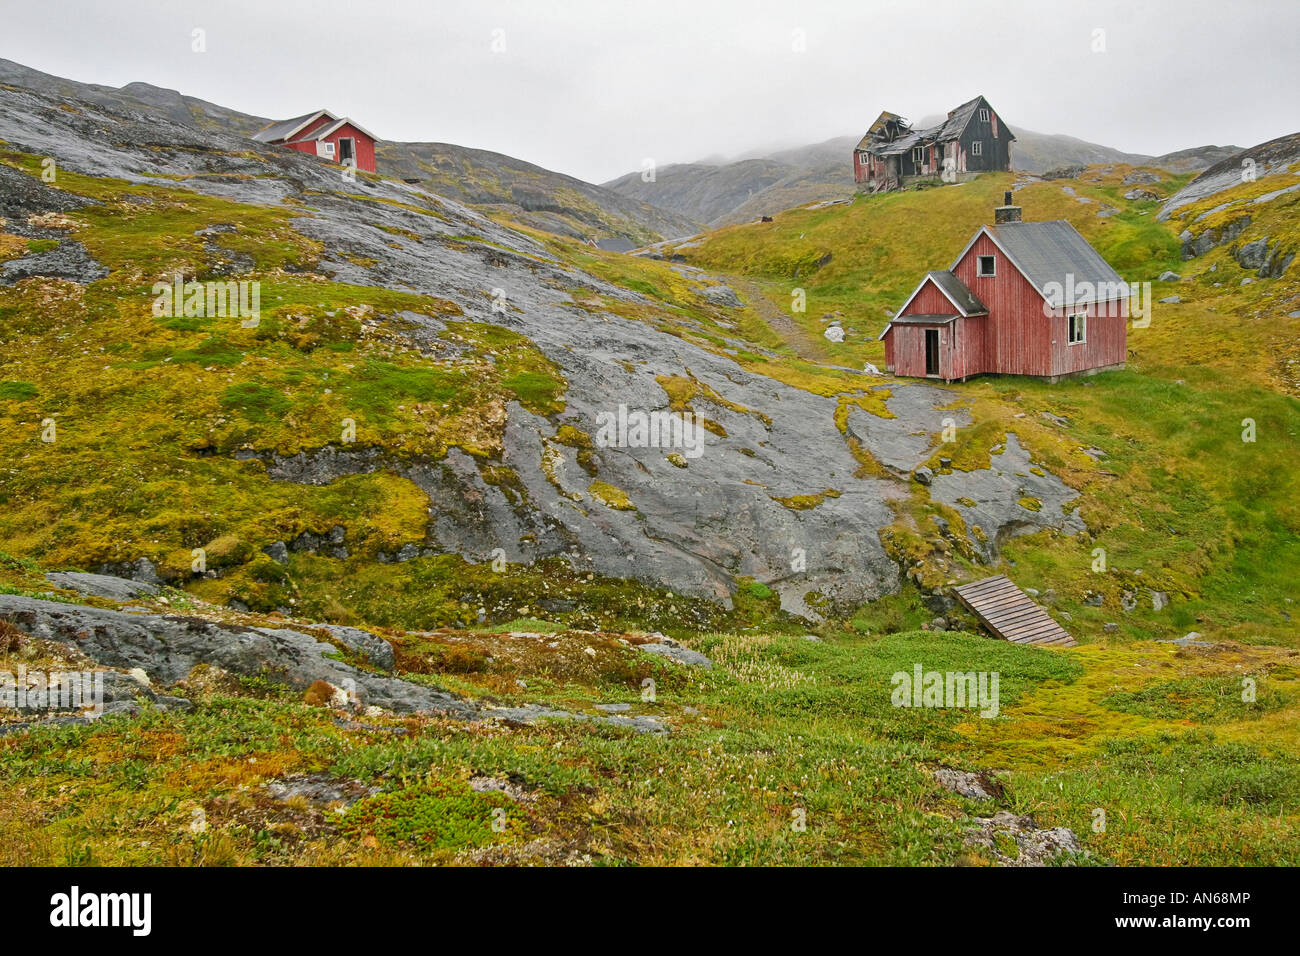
(931, 351)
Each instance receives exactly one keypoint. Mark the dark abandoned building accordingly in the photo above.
(973, 139)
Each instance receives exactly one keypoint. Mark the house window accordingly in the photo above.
(918, 155)
(984, 116)
(329, 148)
(977, 148)
(1078, 329)
(986, 266)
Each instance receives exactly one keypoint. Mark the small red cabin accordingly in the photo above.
(325, 135)
(1023, 298)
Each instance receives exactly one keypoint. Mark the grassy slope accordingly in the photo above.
(1154, 735)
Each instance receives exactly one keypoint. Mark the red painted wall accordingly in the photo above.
(1017, 337)
(364, 145)
(929, 300)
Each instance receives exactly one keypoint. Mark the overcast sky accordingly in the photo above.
(594, 87)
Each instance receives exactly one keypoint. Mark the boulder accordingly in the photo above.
(682, 655)
(101, 585)
(376, 650)
(1252, 255)
(169, 647)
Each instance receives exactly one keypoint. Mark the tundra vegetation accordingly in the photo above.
(793, 716)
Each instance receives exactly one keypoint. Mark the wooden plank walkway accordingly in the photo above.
(1009, 613)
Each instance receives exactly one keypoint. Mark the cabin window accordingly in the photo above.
(986, 266)
(977, 148)
(984, 116)
(918, 155)
(1078, 329)
(329, 148)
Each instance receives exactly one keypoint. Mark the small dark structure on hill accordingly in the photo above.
(1023, 298)
(973, 139)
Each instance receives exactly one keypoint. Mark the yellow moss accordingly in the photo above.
(805, 502)
(610, 496)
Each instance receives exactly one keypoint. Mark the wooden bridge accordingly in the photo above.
(1009, 613)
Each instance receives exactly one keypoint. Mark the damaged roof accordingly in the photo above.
(949, 129)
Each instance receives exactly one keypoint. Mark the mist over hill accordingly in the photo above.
(763, 183)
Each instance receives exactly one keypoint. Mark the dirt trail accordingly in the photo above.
(792, 334)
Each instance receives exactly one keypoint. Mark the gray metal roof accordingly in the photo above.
(958, 292)
(278, 131)
(1053, 254)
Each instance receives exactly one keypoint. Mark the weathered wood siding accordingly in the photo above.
(1021, 338)
(1018, 336)
(994, 140)
(908, 349)
(1106, 338)
(929, 300)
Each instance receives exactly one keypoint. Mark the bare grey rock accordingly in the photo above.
(1034, 846)
(68, 260)
(376, 650)
(168, 647)
(1252, 255)
(996, 493)
(320, 789)
(969, 785)
(682, 655)
(101, 585)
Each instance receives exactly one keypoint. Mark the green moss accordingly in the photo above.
(610, 496)
(1205, 700)
(435, 816)
(806, 502)
(18, 391)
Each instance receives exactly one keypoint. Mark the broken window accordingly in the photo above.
(987, 266)
(984, 116)
(977, 148)
(1078, 328)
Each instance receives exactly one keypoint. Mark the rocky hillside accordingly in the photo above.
(521, 192)
(1272, 162)
(136, 97)
(498, 184)
(421, 398)
(367, 577)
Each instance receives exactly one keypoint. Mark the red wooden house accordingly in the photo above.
(1023, 298)
(323, 134)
